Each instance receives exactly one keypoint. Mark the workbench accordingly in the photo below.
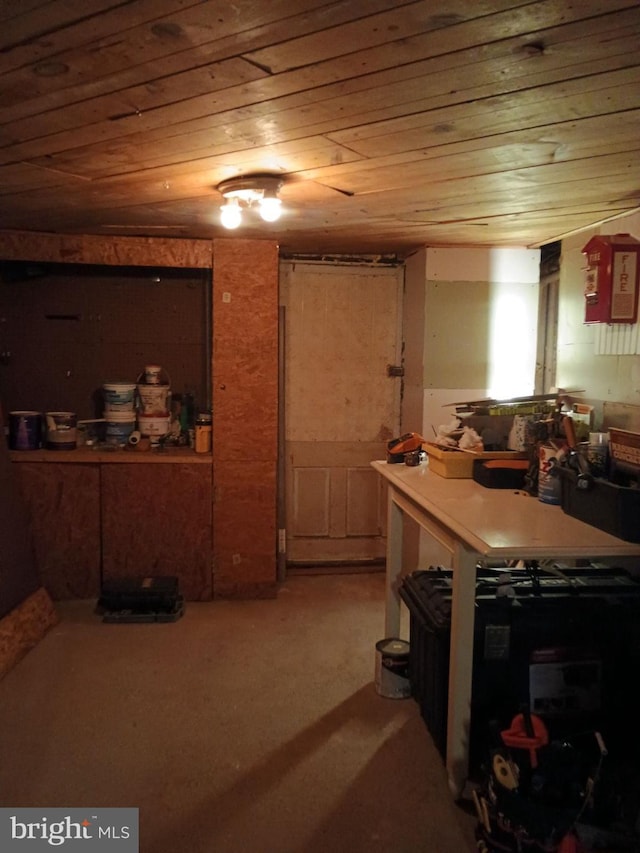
(470, 522)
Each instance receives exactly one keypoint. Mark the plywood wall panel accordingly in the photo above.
(245, 529)
(245, 348)
(245, 406)
(100, 324)
(118, 251)
(18, 566)
(156, 520)
(24, 627)
(63, 501)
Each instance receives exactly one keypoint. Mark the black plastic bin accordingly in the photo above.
(608, 506)
(592, 619)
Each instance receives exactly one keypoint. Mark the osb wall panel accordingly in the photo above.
(101, 324)
(245, 530)
(63, 502)
(156, 520)
(18, 573)
(24, 627)
(119, 251)
(245, 407)
(245, 347)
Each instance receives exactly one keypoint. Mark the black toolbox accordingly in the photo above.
(148, 599)
(566, 646)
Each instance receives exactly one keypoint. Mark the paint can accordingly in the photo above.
(548, 479)
(118, 396)
(61, 430)
(154, 400)
(392, 668)
(152, 374)
(119, 426)
(24, 430)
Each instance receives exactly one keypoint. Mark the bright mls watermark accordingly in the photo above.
(101, 830)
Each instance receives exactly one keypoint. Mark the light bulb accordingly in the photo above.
(230, 213)
(270, 208)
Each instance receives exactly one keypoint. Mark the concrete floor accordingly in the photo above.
(245, 726)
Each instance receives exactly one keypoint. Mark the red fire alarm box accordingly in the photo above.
(611, 279)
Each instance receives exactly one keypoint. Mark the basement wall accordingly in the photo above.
(479, 328)
(611, 382)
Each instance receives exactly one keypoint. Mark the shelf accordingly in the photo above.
(83, 455)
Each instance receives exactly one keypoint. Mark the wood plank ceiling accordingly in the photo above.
(393, 124)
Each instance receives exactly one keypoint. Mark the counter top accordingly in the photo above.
(84, 454)
(502, 522)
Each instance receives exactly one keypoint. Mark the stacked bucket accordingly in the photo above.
(154, 402)
(119, 411)
(146, 401)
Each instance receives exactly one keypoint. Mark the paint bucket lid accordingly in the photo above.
(393, 647)
(57, 420)
(119, 386)
(120, 417)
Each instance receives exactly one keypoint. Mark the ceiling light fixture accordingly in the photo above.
(247, 190)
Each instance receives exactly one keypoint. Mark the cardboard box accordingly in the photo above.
(458, 464)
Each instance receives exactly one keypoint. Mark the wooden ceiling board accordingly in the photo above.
(136, 103)
(393, 95)
(571, 140)
(149, 72)
(394, 124)
(144, 111)
(163, 46)
(472, 24)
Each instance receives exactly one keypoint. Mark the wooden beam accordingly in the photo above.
(112, 251)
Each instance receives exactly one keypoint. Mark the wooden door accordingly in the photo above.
(341, 405)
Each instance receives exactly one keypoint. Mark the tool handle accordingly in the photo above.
(569, 431)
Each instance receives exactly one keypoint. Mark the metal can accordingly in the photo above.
(203, 433)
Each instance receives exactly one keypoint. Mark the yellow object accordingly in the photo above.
(458, 464)
(203, 434)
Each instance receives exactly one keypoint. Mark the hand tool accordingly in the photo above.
(585, 479)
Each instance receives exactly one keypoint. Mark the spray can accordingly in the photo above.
(203, 433)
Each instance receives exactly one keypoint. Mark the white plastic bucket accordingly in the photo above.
(119, 426)
(61, 430)
(154, 399)
(118, 396)
(152, 374)
(153, 425)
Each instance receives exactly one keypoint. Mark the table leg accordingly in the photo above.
(460, 666)
(393, 568)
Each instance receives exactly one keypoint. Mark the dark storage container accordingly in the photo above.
(150, 599)
(605, 505)
(500, 473)
(584, 630)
